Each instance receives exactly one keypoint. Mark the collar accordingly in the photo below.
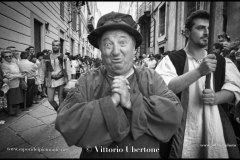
(190, 56)
(126, 76)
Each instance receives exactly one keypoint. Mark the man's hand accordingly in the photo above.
(208, 65)
(121, 87)
(116, 98)
(209, 97)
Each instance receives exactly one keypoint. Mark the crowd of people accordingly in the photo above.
(23, 76)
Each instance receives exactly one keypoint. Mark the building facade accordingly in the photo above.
(162, 23)
(36, 23)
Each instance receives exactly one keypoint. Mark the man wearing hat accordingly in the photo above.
(117, 110)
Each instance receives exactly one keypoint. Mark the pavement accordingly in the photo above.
(32, 134)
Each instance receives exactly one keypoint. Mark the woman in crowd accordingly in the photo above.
(12, 73)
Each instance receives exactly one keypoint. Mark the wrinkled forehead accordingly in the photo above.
(116, 34)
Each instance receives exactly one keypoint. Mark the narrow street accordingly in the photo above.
(32, 135)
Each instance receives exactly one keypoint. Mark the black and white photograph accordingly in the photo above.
(119, 79)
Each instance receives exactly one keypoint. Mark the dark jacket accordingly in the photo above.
(87, 118)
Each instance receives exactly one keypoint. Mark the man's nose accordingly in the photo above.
(206, 31)
(116, 50)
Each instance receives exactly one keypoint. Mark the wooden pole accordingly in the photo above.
(206, 150)
(211, 37)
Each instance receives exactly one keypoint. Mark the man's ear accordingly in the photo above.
(187, 33)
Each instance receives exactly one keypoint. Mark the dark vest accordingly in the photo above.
(178, 59)
(49, 67)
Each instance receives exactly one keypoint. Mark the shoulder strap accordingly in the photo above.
(219, 74)
(60, 58)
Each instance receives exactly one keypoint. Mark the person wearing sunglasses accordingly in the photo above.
(12, 73)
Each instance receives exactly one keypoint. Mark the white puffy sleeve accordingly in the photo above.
(166, 69)
(232, 79)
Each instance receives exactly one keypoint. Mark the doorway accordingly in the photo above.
(37, 35)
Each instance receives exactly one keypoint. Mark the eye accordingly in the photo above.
(107, 44)
(123, 42)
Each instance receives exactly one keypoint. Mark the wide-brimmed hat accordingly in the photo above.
(115, 20)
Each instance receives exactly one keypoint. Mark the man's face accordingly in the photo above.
(237, 54)
(31, 50)
(199, 33)
(56, 46)
(117, 49)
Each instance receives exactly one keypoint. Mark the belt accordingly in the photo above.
(56, 78)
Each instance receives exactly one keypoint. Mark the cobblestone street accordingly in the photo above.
(32, 135)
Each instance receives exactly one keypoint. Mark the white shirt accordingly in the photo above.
(26, 66)
(73, 66)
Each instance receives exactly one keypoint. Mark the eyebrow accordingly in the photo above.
(105, 38)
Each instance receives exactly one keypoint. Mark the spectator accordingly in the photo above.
(45, 52)
(151, 63)
(32, 57)
(30, 69)
(16, 56)
(74, 65)
(40, 75)
(12, 73)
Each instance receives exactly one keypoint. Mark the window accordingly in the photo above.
(74, 21)
(72, 46)
(62, 10)
(37, 35)
(74, 17)
(162, 20)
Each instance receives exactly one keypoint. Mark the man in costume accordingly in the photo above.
(56, 72)
(206, 131)
(116, 110)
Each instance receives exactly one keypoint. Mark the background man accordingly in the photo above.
(56, 73)
(205, 121)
